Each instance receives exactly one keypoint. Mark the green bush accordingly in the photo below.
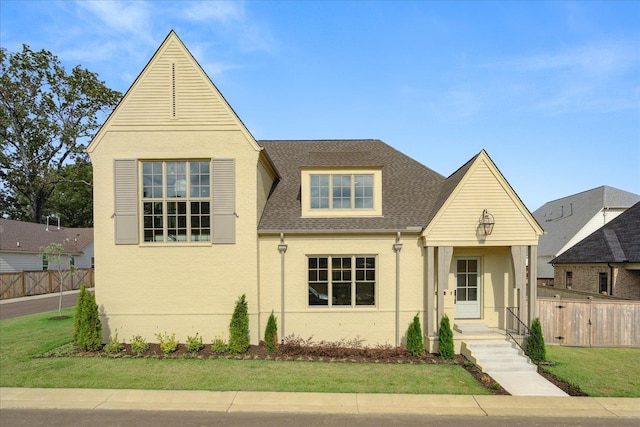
(239, 327)
(114, 346)
(89, 336)
(78, 319)
(445, 339)
(535, 348)
(271, 334)
(139, 345)
(194, 344)
(219, 346)
(168, 344)
(415, 345)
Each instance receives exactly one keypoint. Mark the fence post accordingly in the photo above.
(24, 292)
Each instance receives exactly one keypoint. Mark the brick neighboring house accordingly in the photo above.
(607, 261)
(568, 220)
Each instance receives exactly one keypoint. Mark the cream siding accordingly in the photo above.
(482, 188)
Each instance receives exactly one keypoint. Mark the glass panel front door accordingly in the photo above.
(467, 293)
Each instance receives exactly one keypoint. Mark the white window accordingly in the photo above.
(176, 201)
(342, 281)
(341, 193)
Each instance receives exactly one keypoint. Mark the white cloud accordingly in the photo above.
(225, 12)
(132, 18)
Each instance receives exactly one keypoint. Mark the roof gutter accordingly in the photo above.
(394, 231)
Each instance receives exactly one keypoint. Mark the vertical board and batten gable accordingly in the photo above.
(482, 187)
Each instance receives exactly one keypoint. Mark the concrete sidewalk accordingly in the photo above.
(327, 403)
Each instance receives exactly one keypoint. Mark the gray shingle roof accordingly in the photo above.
(29, 237)
(564, 218)
(616, 241)
(410, 190)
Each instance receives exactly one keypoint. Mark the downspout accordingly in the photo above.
(397, 247)
(282, 248)
(610, 290)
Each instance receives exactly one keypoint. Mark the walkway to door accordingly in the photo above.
(499, 358)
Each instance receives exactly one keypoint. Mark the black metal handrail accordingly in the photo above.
(519, 332)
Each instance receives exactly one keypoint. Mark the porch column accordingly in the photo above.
(519, 260)
(533, 283)
(282, 248)
(444, 263)
(430, 294)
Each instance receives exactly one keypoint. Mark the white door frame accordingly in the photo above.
(468, 295)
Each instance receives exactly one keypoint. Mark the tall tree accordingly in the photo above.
(72, 199)
(47, 116)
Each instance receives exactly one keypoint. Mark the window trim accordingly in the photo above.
(165, 200)
(353, 280)
(309, 212)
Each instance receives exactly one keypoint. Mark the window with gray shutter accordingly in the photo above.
(224, 214)
(126, 201)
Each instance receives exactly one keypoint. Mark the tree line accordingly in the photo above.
(47, 118)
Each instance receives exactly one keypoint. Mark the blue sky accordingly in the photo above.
(550, 89)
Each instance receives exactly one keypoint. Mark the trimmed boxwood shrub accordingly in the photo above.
(445, 339)
(535, 348)
(271, 334)
(239, 327)
(415, 345)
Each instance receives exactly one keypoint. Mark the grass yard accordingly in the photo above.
(23, 339)
(598, 371)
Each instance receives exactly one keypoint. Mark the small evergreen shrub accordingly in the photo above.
(168, 344)
(239, 327)
(535, 348)
(114, 346)
(445, 339)
(78, 319)
(139, 345)
(194, 344)
(89, 336)
(415, 345)
(219, 346)
(271, 334)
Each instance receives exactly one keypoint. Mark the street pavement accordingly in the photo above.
(16, 307)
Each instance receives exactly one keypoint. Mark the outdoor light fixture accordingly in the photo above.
(486, 223)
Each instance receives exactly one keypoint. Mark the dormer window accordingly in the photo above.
(342, 192)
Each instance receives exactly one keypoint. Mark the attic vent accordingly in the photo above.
(173, 90)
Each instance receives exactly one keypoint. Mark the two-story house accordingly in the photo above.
(339, 238)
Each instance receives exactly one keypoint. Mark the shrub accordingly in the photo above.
(168, 344)
(415, 345)
(113, 346)
(219, 346)
(78, 319)
(139, 345)
(194, 344)
(239, 327)
(89, 326)
(271, 334)
(445, 339)
(535, 348)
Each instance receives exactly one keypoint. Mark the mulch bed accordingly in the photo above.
(328, 352)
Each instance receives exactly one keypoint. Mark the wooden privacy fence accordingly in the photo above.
(590, 323)
(27, 283)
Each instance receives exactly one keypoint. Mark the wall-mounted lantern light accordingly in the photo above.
(486, 223)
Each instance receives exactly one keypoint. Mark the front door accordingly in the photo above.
(467, 294)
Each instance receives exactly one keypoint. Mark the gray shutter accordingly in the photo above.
(224, 201)
(125, 174)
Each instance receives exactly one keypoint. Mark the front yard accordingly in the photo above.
(598, 372)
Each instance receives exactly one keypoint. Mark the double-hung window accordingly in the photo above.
(342, 281)
(176, 201)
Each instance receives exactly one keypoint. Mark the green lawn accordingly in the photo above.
(598, 371)
(23, 339)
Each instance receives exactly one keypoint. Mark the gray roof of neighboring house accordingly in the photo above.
(410, 191)
(29, 237)
(564, 218)
(616, 241)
